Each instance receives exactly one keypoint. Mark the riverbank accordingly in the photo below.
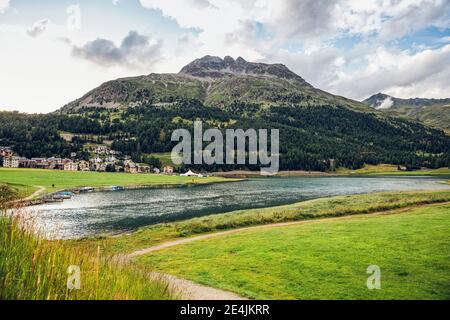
(391, 170)
(257, 174)
(28, 181)
(306, 210)
(367, 170)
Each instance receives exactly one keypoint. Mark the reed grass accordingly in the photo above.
(32, 268)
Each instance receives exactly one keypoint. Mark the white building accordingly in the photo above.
(101, 149)
(111, 159)
(70, 166)
(168, 170)
(11, 162)
(96, 160)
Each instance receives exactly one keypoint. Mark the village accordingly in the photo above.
(103, 160)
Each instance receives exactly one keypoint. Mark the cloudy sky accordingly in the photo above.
(52, 52)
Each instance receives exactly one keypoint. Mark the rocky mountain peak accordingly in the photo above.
(216, 67)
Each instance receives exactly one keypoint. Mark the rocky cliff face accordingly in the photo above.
(216, 67)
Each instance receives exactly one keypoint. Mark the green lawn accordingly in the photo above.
(325, 260)
(29, 179)
(306, 210)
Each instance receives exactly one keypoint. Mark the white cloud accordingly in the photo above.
(44, 77)
(38, 28)
(4, 5)
(386, 104)
(391, 19)
(136, 51)
(307, 19)
(397, 72)
(215, 20)
(73, 22)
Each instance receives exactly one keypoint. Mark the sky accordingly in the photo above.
(53, 52)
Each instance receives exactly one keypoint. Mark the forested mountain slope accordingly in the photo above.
(318, 130)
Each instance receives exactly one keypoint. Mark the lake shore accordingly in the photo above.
(38, 182)
(256, 174)
(326, 207)
(367, 170)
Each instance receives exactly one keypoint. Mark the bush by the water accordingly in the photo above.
(7, 193)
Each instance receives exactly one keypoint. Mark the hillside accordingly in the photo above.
(215, 82)
(318, 131)
(433, 112)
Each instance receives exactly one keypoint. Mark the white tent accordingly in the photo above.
(190, 174)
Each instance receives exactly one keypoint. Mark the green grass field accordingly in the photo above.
(28, 180)
(306, 210)
(324, 260)
(390, 169)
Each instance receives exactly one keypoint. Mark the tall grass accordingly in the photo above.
(7, 194)
(32, 268)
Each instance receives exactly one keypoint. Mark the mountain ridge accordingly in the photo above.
(216, 67)
(216, 82)
(433, 112)
(376, 100)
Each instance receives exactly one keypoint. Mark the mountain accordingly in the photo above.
(318, 130)
(433, 112)
(215, 82)
(215, 67)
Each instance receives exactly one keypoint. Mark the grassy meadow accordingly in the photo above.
(306, 210)
(390, 169)
(326, 260)
(29, 180)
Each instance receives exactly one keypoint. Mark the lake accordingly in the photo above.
(112, 212)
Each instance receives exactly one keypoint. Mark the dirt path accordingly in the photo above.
(174, 243)
(35, 194)
(38, 192)
(189, 290)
